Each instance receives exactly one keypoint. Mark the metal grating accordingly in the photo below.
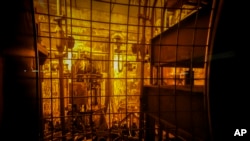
(123, 70)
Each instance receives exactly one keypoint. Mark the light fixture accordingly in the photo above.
(118, 42)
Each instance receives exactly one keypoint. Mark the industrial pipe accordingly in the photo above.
(60, 45)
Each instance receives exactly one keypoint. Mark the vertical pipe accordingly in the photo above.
(50, 52)
(90, 55)
(61, 82)
(50, 79)
(60, 46)
(142, 115)
(142, 50)
(72, 77)
(108, 99)
(152, 34)
(66, 23)
(143, 39)
(126, 83)
(58, 6)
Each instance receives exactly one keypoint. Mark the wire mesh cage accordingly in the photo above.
(123, 69)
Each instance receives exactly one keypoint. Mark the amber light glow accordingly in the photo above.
(110, 68)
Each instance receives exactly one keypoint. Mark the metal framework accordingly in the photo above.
(105, 69)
